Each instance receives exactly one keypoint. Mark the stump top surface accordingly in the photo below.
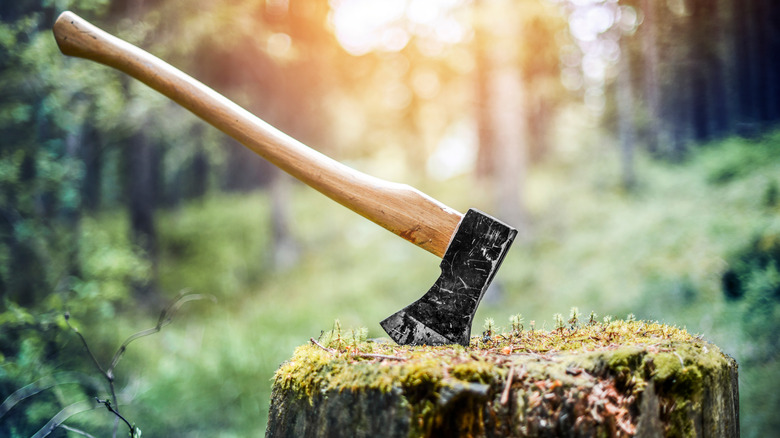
(606, 366)
(344, 362)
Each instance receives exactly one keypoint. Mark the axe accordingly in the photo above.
(471, 246)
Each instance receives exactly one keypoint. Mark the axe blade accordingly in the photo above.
(444, 314)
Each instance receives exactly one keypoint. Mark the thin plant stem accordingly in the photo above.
(166, 317)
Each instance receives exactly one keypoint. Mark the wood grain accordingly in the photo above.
(399, 208)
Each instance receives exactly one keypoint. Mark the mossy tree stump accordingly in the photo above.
(613, 379)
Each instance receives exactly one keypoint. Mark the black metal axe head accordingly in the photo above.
(444, 314)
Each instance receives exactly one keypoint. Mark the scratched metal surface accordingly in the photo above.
(445, 313)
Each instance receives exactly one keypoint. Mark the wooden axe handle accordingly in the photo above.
(399, 208)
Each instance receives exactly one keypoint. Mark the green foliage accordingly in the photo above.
(735, 159)
(771, 194)
(752, 285)
(55, 115)
(110, 265)
(192, 245)
(31, 407)
(40, 168)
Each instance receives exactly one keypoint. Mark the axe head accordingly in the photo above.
(444, 314)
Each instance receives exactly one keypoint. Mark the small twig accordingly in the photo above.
(363, 355)
(505, 394)
(166, 317)
(109, 375)
(107, 403)
(329, 350)
(378, 356)
(86, 346)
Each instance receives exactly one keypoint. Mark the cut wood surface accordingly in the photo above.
(600, 379)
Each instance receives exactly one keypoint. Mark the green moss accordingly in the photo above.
(619, 357)
(480, 371)
(667, 365)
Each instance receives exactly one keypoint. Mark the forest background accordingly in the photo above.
(634, 144)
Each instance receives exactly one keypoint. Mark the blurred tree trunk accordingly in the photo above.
(485, 160)
(710, 70)
(748, 60)
(712, 37)
(760, 30)
(701, 33)
(70, 209)
(679, 91)
(652, 86)
(625, 116)
(510, 148)
(770, 23)
(728, 101)
(774, 17)
(199, 169)
(540, 119)
(503, 130)
(286, 250)
(142, 182)
(540, 62)
(296, 105)
(27, 281)
(192, 179)
(92, 157)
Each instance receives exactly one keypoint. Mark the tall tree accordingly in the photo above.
(708, 70)
(727, 104)
(625, 116)
(651, 79)
(517, 92)
(505, 109)
(143, 184)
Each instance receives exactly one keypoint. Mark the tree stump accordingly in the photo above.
(622, 378)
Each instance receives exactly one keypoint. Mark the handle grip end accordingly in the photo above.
(77, 37)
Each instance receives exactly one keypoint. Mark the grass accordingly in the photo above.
(658, 252)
